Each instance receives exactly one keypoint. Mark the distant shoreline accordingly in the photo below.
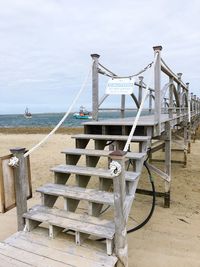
(40, 130)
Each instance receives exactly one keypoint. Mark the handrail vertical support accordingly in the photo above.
(119, 186)
(167, 163)
(20, 186)
(123, 103)
(95, 86)
(157, 87)
(140, 89)
(189, 123)
(171, 104)
(179, 95)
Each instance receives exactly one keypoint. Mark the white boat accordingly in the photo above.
(27, 114)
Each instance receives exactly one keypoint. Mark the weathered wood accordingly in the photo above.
(7, 183)
(59, 250)
(185, 145)
(98, 153)
(20, 186)
(149, 192)
(123, 100)
(79, 193)
(95, 87)
(77, 222)
(171, 103)
(54, 231)
(111, 137)
(167, 164)
(9, 261)
(157, 87)
(119, 187)
(140, 89)
(104, 173)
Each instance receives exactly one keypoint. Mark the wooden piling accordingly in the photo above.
(121, 245)
(95, 86)
(20, 186)
(157, 87)
(167, 163)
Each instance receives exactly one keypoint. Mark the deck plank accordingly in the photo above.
(67, 220)
(91, 171)
(59, 252)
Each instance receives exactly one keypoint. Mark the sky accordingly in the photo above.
(45, 46)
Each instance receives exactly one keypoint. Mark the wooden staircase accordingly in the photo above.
(67, 224)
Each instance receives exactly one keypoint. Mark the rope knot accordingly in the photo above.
(115, 168)
(13, 162)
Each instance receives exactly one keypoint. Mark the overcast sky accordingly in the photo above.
(45, 45)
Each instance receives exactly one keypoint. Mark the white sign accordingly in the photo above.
(120, 86)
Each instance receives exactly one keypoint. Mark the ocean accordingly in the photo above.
(50, 119)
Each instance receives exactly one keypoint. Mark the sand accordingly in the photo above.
(172, 236)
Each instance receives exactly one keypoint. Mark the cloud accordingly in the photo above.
(46, 44)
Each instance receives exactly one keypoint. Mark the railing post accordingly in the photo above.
(150, 100)
(123, 102)
(179, 93)
(119, 188)
(20, 186)
(140, 89)
(95, 86)
(171, 104)
(157, 87)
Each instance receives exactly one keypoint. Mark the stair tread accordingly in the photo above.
(34, 248)
(111, 137)
(78, 222)
(103, 153)
(76, 192)
(104, 173)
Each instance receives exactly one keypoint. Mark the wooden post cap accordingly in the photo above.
(18, 150)
(179, 75)
(157, 48)
(95, 55)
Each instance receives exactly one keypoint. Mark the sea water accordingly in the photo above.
(51, 119)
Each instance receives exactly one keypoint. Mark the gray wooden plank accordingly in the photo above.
(103, 153)
(104, 173)
(111, 137)
(77, 222)
(147, 120)
(28, 258)
(62, 249)
(76, 192)
(9, 261)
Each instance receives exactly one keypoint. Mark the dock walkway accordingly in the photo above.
(88, 237)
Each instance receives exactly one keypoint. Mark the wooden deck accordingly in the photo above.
(36, 249)
(31, 248)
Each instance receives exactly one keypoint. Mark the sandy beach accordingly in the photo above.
(172, 236)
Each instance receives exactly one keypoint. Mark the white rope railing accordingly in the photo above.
(14, 160)
(64, 117)
(126, 147)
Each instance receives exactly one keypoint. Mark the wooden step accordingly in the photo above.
(25, 249)
(70, 220)
(111, 137)
(100, 153)
(80, 193)
(91, 171)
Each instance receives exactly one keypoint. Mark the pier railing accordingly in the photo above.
(168, 94)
